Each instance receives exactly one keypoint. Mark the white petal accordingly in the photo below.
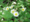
(11, 6)
(7, 7)
(14, 3)
(24, 9)
(1, 19)
(12, 10)
(16, 15)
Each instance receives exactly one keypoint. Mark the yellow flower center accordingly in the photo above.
(12, 11)
(11, 6)
(7, 8)
(22, 9)
(15, 13)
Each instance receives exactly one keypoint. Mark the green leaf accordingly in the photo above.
(10, 21)
(7, 14)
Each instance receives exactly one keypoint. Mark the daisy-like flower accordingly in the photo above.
(13, 10)
(7, 8)
(16, 14)
(1, 19)
(11, 6)
(23, 9)
(14, 3)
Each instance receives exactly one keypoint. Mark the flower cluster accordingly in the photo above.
(13, 11)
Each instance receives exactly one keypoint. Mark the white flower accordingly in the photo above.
(16, 14)
(1, 19)
(14, 3)
(11, 6)
(23, 9)
(7, 8)
(13, 10)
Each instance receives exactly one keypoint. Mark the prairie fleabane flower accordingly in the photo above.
(1, 19)
(14, 3)
(11, 6)
(7, 8)
(16, 14)
(23, 9)
(13, 10)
